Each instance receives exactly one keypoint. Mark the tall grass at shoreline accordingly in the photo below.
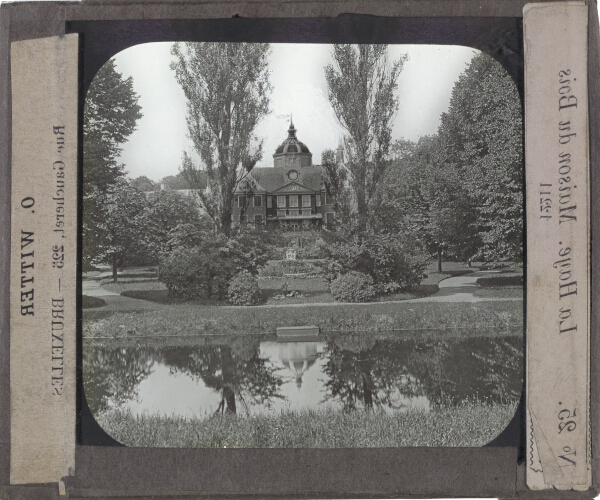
(497, 316)
(469, 424)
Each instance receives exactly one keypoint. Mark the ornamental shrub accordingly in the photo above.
(186, 273)
(353, 287)
(390, 262)
(206, 270)
(243, 290)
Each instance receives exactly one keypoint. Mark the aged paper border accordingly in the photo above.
(423, 472)
(44, 250)
(556, 143)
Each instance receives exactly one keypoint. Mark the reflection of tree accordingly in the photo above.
(232, 369)
(447, 372)
(371, 373)
(114, 375)
(487, 370)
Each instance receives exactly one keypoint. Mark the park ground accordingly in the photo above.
(461, 302)
(460, 297)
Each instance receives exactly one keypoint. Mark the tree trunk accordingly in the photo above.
(114, 268)
(439, 254)
(367, 392)
(226, 225)
(229, 397)
(227, 367)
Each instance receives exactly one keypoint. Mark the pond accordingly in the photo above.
(257, 374)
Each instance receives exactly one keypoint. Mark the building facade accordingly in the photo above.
(291, 195)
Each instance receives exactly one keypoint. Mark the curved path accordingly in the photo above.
(453, 289)
(460, 289)
(114, 301)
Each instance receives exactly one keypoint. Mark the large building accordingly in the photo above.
(291, 195)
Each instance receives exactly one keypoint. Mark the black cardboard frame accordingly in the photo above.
(166, 473)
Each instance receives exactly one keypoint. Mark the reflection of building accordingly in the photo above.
(290, 195)
(298, 357)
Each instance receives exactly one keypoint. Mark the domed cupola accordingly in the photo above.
(292, 153)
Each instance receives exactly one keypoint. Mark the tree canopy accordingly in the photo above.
(143, 183)
(110, 115)
(227, 90)
(481, 136)
(361, 89)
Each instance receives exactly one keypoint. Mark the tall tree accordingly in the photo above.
(121, 232)
(110, 114)
(482, 136)
(227, 89)
(361, 88)
(336, 178)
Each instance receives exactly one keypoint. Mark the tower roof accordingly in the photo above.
(292, 144)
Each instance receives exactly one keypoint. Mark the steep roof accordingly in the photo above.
(273, 178)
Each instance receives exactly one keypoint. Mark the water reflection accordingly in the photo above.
(232, 371)
(250, 374)
(298, 357)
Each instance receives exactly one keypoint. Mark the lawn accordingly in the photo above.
(133, 284)
(88, 302)
(274, 290)
(314, 290)
(507, 292)
(470, 424)
(408, 318)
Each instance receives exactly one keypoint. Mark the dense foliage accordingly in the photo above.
(166, 211)
(353, 287)
(460, 192)
(205, 271)
(120, 232)
(481, 137)
(110, 115)
(243, 290)
(391, 264)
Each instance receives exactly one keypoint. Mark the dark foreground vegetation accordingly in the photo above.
(469, 424)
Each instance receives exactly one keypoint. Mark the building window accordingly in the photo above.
(240, 201)
(269, 202)
(294, 201)
(281, 202)
(327, 198)
(319, 200)
(306, 200)
(258, 201)
(258, 219)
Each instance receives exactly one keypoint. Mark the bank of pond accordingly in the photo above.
(343, 390)
(493, 318)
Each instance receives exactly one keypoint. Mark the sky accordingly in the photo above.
(299, 90)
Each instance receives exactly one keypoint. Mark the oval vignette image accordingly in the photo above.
(302, 246)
